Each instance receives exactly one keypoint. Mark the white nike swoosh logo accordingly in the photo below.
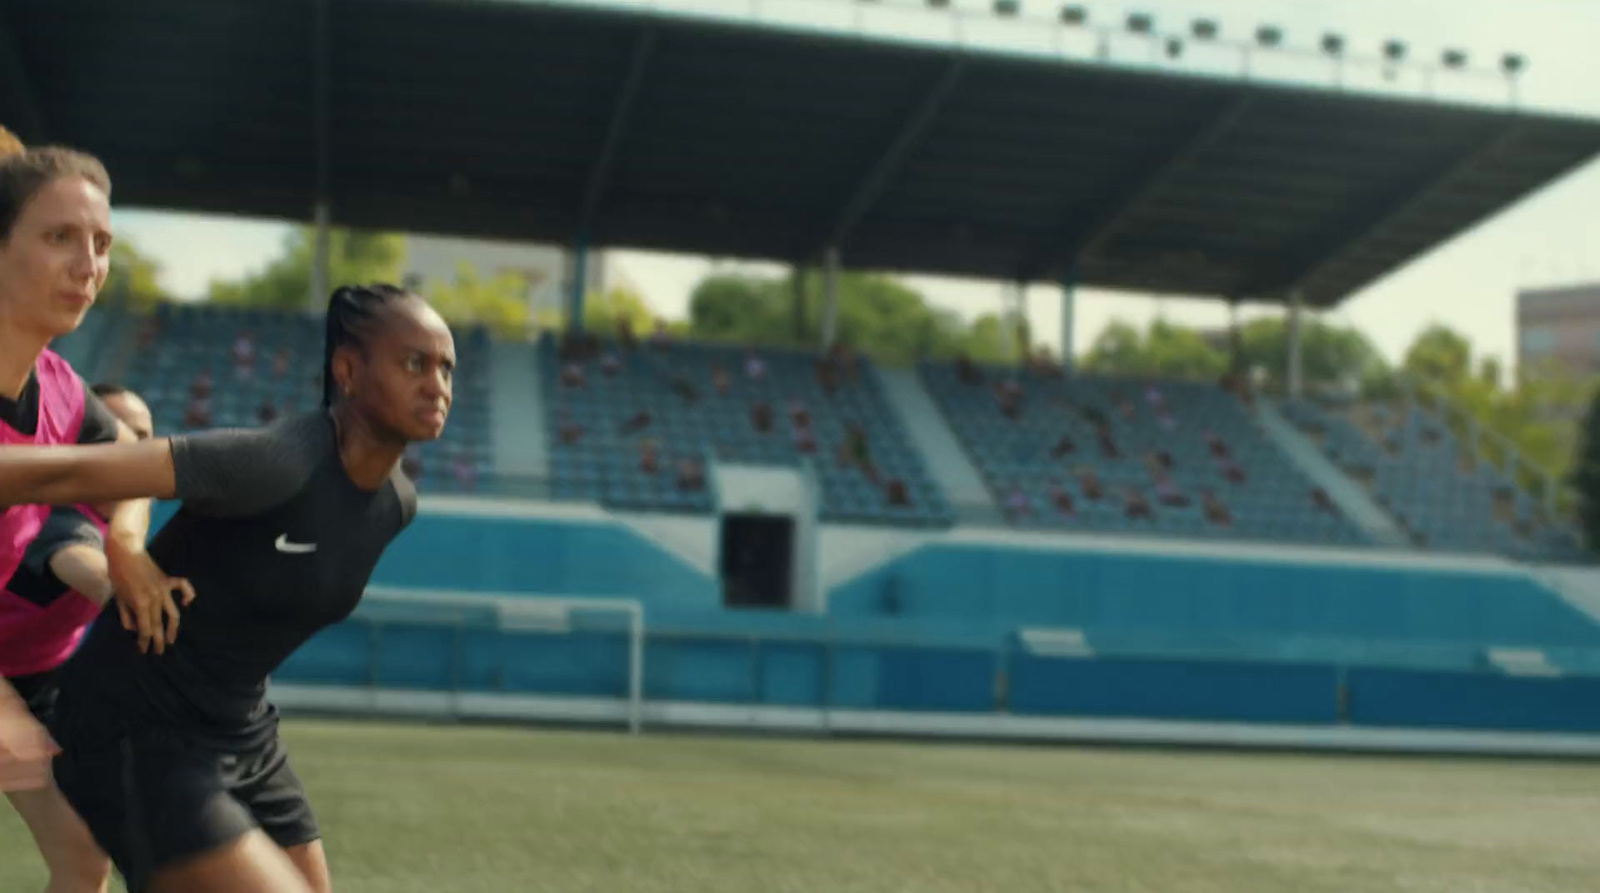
(283, 545)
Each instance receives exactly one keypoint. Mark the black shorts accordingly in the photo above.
(152, 799)
(39, 691)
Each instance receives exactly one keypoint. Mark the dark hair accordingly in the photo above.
(23, 172)
(106, 389)
(352, 314)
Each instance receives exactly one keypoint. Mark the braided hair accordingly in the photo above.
(352, 315)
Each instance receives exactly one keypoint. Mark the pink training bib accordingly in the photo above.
(60, 418)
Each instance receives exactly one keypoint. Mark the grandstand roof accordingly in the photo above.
(543, 121)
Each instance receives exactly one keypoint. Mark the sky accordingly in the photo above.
(1551, 238)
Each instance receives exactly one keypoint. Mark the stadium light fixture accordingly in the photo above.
(1174, 47)
(1269, 36)
(1141, 23)
(1454, 59)
(1394, 50)
(1074, 15)
(938, 4)
(1333, 44)
(1513, 64)
(1007, 8)
(1204, 29)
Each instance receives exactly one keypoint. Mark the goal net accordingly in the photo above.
(566, 619)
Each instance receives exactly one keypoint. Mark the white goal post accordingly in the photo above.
(514, 612)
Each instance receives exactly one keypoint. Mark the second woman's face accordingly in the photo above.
(57, 256)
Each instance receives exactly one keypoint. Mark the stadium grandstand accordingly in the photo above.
(631, 529)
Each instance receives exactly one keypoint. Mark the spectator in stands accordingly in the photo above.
(1008, 396)
(1089, 483)
(244, 354)
(855, 451)
(805, 439)
(1135, 506)
(649, 457)
(1062, 500)
(1232, 472)
(1161, 459)
(149, 333)
(568, 431)
(719, 380)
(1167, 492)
(280, 364)
(1154, 397)
(827, 375)
(844, 362)
(1125, 407)
(761, 416)
(572, 376)
(198, 413)
(1018, 505)
(1218, 446)
(1066, 446)
(1095, 416)
(691, 475)
(610, 365)
(266, 413)
(636, 422)
(967, 372)
(798, 413)
(897, 494)
(660, 339)
(1215, 512)
(755, 368)
(1108, 444)
(1321, 501)
(1165, 420)
(464, 470)
(200, 387)
(626, 336)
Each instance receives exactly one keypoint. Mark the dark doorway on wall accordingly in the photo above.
(757, 561)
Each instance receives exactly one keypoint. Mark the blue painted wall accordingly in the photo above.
(1128, 595)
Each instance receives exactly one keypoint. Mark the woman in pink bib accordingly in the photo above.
(55, 252)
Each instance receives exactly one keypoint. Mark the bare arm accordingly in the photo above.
(83, 569)
(99, 473)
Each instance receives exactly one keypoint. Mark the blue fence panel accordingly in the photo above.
(939, 679)
(581, 664)
(686, 668)
(338, 655)
(791, 673)
(1424, 699)
(1191, 690)
(416, 657)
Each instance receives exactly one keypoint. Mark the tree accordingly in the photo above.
(1329, 355)
(134, 281)
(1165, 350)
(354, 256)
(877, 315)
(500, 303)
(604, 312)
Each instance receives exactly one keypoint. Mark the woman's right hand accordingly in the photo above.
(25, 746)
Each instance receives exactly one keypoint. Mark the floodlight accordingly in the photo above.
(1141, 23)
(1333, 44)
(1074, 15)
(1204, 29)
(1454, 59)
(1269, 35)
(1513, 64)
(1007, 7)
(938, 4)
(1174, 47)
(1394, 50)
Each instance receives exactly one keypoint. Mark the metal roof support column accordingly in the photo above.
(1235, 339)
(797, 283)
(1069, 307)
(1017, 321)
(1294, 375)
(830, 295)
(321, 120)
(579, 281)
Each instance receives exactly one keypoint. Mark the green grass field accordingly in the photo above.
(475, 810)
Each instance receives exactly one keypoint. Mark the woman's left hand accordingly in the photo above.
(144, 595)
